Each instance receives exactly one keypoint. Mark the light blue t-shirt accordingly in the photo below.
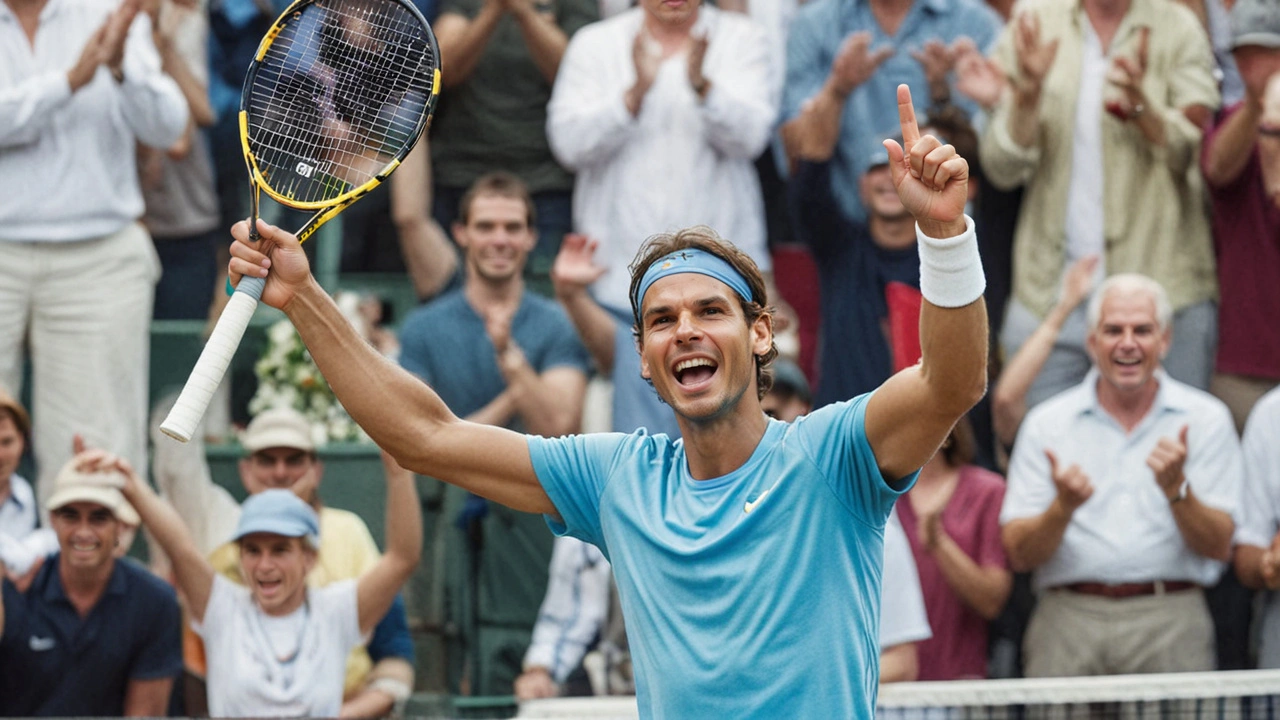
(755, 594)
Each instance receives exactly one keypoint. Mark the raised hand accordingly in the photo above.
(117, 35)
(855, 63)
(1078, 282)
(977, 77)
(101, 468)
(1166, 461)
(936, 60)
(932, 180)
(497, 323)
(1035, 57)
(646, 55)
(697, 54)
(277, 250)
(1125, 77)
(574, 269)
(92, 55)
(1072, 484)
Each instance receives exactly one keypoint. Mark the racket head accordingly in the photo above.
(336, 97)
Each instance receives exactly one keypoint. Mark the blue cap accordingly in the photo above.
(279, 512)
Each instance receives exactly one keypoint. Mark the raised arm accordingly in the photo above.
(1009, 397)
(191, 569)
(376, 589)
(572, 275)
(463, 40)
(401, 413)
(910, 415)
(429, 255)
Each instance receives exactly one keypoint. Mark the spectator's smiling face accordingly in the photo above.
(1128, 342)
(880, 196)
(275, 568)
(497, 237)
(672, 12)
(697, 348)
(279, 467)
(87, 534)
(11, 447)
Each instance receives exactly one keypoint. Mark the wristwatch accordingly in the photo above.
(1182, 493)
(1137, 111)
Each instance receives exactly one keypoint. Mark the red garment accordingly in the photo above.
(1246, 235)
(958, 648)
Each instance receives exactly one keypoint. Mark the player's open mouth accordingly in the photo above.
(694, 371)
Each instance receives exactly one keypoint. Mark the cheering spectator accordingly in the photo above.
(1132, 82)
(1121, 498)
(502, 59)
(500, 355)
(92, 634)
(277, 648)
(1241, 162)
(69, 221)
(1257, 555)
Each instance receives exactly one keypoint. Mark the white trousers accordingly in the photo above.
(82, 310)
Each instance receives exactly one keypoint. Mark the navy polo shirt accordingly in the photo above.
(53, 662)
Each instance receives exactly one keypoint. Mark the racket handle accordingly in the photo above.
(207, 374)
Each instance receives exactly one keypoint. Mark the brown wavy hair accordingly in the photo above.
(703, 238)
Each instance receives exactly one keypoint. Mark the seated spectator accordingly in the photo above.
(277, 647)
(1245, 189)
(22, 542)
(280, 454)
(1121, 497)
(92, 634)
(499, 354)
(1132, 82)
(954, 515)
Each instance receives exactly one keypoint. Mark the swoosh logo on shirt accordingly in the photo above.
(39, 644)
(751, 504)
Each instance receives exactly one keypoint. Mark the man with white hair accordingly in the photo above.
(1123, 497)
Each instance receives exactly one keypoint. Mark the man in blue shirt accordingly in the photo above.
(844, 55)
(748, 551)
(92, 635)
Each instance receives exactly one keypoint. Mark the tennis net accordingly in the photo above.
(1234, 695)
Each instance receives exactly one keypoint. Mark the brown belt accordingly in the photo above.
(1128, 590)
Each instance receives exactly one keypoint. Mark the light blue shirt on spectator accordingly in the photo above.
(871, 113)
(755, 594)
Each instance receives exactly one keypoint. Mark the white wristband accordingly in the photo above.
(951, 269)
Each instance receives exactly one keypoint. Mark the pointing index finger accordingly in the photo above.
(907, 118)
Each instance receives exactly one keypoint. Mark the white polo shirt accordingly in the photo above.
(1260, 516)
(1125, 532)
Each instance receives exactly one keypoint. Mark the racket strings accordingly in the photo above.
(339, 94)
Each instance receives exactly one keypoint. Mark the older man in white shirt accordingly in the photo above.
(1123, 494)
(80, 84)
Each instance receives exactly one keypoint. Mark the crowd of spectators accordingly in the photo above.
(1099, 514)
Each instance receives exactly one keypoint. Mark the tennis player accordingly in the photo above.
(748, 551)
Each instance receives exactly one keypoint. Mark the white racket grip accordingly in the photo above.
(214, 359)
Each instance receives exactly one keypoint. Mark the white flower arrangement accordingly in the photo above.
(288, 377)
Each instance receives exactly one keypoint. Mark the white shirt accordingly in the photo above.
(1125, 531)
(245, 676)
(18, 511)
(1260, 518)
(574, 610)
(67, 165)
(22, 542)
(681, 162)
(1084, 231)
(902, 615)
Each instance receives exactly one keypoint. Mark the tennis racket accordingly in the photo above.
(337, 95)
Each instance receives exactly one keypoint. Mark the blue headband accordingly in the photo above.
(692, 260)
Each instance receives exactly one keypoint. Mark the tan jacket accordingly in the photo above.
(1156, 214)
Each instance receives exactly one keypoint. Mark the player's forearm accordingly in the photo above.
(983, 588)
(463, 41)
(1207, 531)
(1031, 542)
(596, 327)
(545, 40)
(953, 352)
(399, 411)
